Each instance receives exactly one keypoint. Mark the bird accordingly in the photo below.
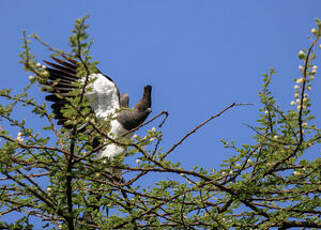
(104, 97)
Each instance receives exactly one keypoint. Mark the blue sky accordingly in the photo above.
(200, 56)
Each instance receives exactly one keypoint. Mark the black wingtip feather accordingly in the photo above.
(67, 64)
(61, 67)
(62, 75)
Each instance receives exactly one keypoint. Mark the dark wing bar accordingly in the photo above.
(62, 75)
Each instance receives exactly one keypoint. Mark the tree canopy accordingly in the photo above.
(56, 177)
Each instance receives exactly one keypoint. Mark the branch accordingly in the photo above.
(198, 127)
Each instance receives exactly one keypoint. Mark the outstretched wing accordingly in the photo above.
(104, 94)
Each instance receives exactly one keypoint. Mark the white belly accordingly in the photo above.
(112, 149)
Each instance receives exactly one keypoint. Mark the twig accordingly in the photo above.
(199, 126)
(61, 52)
(147, 122)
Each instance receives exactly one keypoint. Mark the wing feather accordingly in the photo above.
(104, 94)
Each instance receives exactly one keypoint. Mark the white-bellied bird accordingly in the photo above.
(104, 97)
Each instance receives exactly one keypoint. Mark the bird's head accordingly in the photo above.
(145, 103)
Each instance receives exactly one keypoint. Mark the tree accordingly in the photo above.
(58, 179)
